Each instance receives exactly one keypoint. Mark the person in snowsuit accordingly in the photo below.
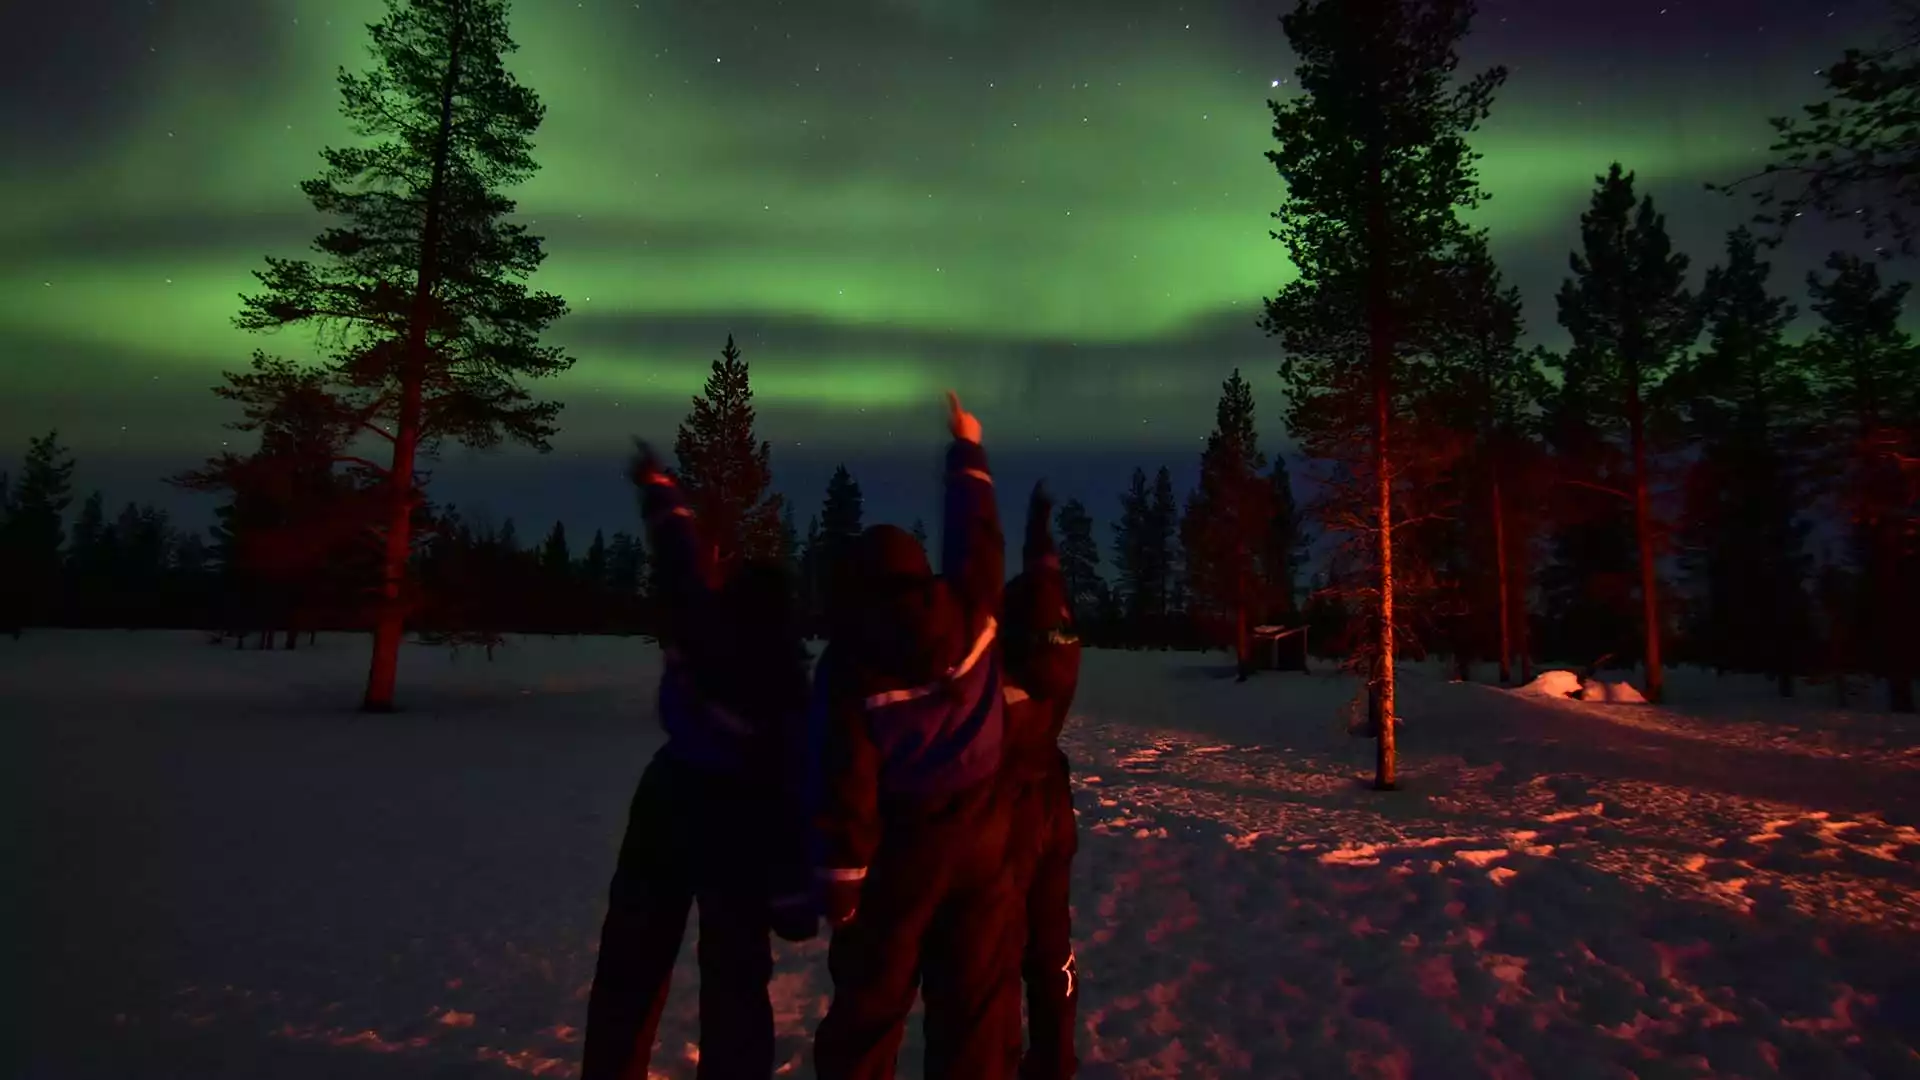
(1043, 671)
(715, 817)
(913, 826)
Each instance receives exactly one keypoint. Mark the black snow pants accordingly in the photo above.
(1045, 838)
(936, 912)
(691, 836)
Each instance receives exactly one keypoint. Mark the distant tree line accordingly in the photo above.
(1688, 479)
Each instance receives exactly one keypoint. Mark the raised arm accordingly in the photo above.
(673, 540)
(1053, 668)
(973, 553)
(1038, 556)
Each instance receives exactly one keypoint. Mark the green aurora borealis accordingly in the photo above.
(1059, 209)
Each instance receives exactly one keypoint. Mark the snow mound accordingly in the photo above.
(1566, 684)
(1617, 693)
(1560, 684)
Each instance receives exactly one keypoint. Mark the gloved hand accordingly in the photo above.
(795, 918)
(644, 467)
(840, 900)
(964, 425)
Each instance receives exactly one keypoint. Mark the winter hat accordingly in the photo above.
(888, 553)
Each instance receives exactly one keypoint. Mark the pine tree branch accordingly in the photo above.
(364, 417)
(349, 459)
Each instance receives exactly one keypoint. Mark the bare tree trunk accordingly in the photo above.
(1380, 377)
(1643, 537)
(1380, 345)
(1242, 642)
(390, 624)
(1501, 573)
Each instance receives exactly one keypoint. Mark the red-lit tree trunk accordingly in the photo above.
(1643, 537)
(1242, 632)
(1380, 378)
(390, 624)
(1500, 573)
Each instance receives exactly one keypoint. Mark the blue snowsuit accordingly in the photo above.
(717, 819)
(913, 814)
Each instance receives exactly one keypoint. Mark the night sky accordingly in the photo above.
(1060, 208)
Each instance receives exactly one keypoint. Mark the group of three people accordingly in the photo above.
(911, 791)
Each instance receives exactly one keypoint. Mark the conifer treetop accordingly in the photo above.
(442, 130)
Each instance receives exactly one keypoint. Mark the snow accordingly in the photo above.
(1564, 684)
(226, 872)
(1619, 693)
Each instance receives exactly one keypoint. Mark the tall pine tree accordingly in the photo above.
(1164, 552)
(1285, 548)
(1136, 577)
(725, 470)
(424, 273)
(1865, 373)
(1743, 540)
(1486, 390)
(292, 532)
(813, 582)
(34, 534)
(593, 565)
(1079, 560)
(1377, 168)
(1630, 314)
(1228, 522)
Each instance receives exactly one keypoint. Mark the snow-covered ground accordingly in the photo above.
(223, 871)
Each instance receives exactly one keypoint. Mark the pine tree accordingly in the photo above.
(35, 532)
(840, 522)
(294, 531)
(1079, 560)
(1587, 585)
(508, 538)
(789, 536)
(426, 269)
(1630, 315)
(556, 561)
(142, 549)
(1865, 375)
(626, 569)
(593, 566)
(1163, 550)
(1229, 521)
(89, 561)
(1852, 157)
(1283, 551)
(813, 577)
(1743, 540)
(1377, 168)
(1487, 388)
(725, 471)
(1137, 578)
